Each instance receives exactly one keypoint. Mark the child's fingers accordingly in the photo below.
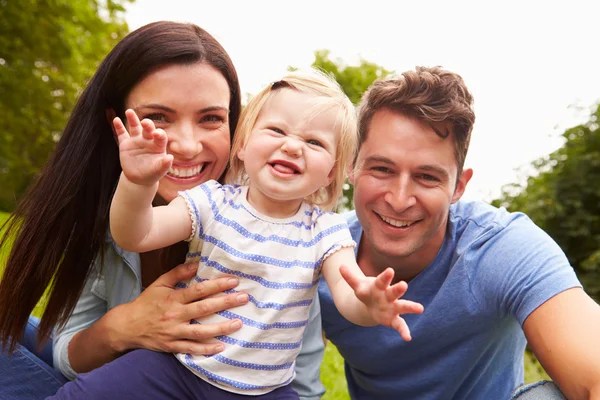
(160, 137)
(167, 161)
(120, 130)
(352, 279)
(408, 307)
(384, 279)
(148, 128)
(135, 127)
(400, 325)
(396, 291)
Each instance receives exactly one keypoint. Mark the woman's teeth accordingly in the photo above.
(182, 172)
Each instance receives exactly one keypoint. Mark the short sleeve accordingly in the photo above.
(517, 268)
(332, 234)
(203, 202)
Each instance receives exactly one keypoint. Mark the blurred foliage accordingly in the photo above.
(563, 198)
(354, 80)
(48, 50)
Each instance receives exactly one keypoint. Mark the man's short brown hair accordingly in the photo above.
(434, 96)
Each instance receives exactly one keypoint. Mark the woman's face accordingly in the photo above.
(191, 103)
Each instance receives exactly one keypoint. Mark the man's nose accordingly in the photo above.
(400, 194)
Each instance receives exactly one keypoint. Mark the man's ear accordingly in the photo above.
(461, 185)
(110, 116)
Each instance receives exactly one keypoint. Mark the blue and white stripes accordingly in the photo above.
(278, 263)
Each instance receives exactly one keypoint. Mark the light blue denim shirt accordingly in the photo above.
(119, 280)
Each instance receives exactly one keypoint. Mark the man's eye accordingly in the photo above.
(430, 178)
(380, 169)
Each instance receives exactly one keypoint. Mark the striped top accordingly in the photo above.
(278, 262)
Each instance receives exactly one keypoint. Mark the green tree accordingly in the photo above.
(48, 50)
(563, 198)
(354, 80)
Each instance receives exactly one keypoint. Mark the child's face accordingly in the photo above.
(290, 153)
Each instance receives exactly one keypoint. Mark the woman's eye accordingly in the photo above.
(314, 142)
(156, 117)
(212, 118)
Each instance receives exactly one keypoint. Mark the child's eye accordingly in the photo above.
(276, 130)
(314, 142)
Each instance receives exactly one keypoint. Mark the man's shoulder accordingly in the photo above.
(482, 217)
(476, 225)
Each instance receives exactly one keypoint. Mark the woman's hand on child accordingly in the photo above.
(142, 150)
(159, 319)
(382, 299)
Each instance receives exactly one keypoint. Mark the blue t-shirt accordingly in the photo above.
(493, 270)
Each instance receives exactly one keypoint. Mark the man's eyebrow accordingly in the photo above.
(435, 169)
(378, 159)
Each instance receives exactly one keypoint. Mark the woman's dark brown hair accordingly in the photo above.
(60, 224)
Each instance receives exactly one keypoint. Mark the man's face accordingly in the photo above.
(405, 181)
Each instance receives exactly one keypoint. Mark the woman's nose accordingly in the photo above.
(185, 142)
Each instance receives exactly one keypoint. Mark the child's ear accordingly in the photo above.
(241, 154)
(330, 177)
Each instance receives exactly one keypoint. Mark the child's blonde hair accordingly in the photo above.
(329, 96)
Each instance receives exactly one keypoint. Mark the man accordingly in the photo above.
(489, 280)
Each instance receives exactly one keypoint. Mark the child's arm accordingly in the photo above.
(134, 224)
(367, 301)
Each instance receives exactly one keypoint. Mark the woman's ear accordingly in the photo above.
(110, 116)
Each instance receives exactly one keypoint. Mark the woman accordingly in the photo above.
(180, 77)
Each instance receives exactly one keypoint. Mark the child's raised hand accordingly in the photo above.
(382, 300)
(142, 150)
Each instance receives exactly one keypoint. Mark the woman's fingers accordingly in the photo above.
(200, 332)
(204, 289)
(209, 306)
(196, 348)
(180, 273)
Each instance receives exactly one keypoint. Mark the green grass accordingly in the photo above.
(332, 369)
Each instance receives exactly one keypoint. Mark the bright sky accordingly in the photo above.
(532, 66)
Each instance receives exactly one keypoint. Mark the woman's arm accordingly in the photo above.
(157, 320)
